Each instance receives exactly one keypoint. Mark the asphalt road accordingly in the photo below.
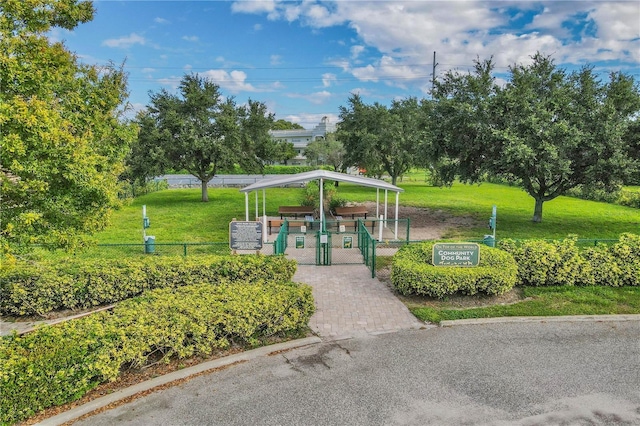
(493, 374)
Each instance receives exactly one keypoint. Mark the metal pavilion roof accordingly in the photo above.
(320, 174)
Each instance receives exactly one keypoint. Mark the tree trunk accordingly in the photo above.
(394, 179)
(537, 212)
(205, 193)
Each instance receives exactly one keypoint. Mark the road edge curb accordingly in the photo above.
(540, 319)
(97, 403)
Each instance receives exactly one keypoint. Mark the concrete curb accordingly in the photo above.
(76, 412)
(568, 318)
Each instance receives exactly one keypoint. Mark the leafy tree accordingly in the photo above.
(285, 125)
(632, 139)
(63, 137)
(547, 130)
(327, 151)
(381, 139)
(462, 116)
(203, 133)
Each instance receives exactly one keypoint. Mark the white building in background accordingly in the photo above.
(300, 138)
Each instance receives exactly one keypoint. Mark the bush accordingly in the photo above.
(57, 364)
(29, 288)
(544, 263)
(412, 272)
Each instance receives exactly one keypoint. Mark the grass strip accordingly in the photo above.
(547, 301)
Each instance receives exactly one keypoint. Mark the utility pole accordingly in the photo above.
(433, 75)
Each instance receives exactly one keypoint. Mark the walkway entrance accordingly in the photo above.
(349, 302)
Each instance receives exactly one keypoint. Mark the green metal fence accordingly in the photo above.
(367, 246)
(280, 244)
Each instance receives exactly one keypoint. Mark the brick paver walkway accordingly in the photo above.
(349, 302)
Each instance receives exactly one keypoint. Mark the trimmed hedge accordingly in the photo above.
(552, 263)
(28, 288)
(412, 272)
(57, 364)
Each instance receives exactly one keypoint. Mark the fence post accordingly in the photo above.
(185, 249)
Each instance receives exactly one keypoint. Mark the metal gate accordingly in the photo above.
(340, 243)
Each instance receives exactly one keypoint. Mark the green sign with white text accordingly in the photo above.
(456, 254)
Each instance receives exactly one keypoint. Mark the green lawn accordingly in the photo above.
(178, 215)
(545, 301)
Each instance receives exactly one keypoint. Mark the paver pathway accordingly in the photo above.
(349, 302)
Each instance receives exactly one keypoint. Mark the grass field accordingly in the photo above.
(544, 301)
(178, 215)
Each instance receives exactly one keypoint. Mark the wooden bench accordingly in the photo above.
(354, 223)
(352, 211)
(272, 223)
(295, 211)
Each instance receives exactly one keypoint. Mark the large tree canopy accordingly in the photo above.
(63, 140)
(326, 151)
(546, 129)
(202, 132)
(381, 139)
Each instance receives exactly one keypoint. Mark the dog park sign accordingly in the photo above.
(456, 254)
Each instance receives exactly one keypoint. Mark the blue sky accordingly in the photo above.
(304, 58)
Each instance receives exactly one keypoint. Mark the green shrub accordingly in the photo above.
(413, 272)
(57, 364)
(544, 263)
(29, 288)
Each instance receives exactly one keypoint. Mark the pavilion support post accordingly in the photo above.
(246, 206)
(396, 226)
(386, 207)
(265, 237)
(257, 211)
(377, 202)
(321, 206)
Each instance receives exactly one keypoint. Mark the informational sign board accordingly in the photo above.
(245, 235)
(347, 242)
(299, 242)
(456, 254)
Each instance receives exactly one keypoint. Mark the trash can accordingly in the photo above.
(149, 244)
(489, 241)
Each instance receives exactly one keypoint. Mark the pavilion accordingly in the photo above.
(321, 175)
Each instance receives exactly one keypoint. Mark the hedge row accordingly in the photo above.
(412, 272)
(28, 289)
(57, 364)
(542, 263)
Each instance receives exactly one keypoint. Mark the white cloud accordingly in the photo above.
(275, 60)
(406, 33)
(187, 67)
(190, 38)
(620, 21)
(234, 81)
(125, 41)
(328, 79)
(316, 98)
(257, 27)
(148, 70)
(356, 51)
(173, 81)
(310, 120)
(256, 7)
(159, 20)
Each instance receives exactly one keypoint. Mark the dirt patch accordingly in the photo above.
(429, 224)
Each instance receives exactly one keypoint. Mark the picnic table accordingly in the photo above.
(352, 211)
(295, 211)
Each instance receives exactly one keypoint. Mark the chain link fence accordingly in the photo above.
(114, 251)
